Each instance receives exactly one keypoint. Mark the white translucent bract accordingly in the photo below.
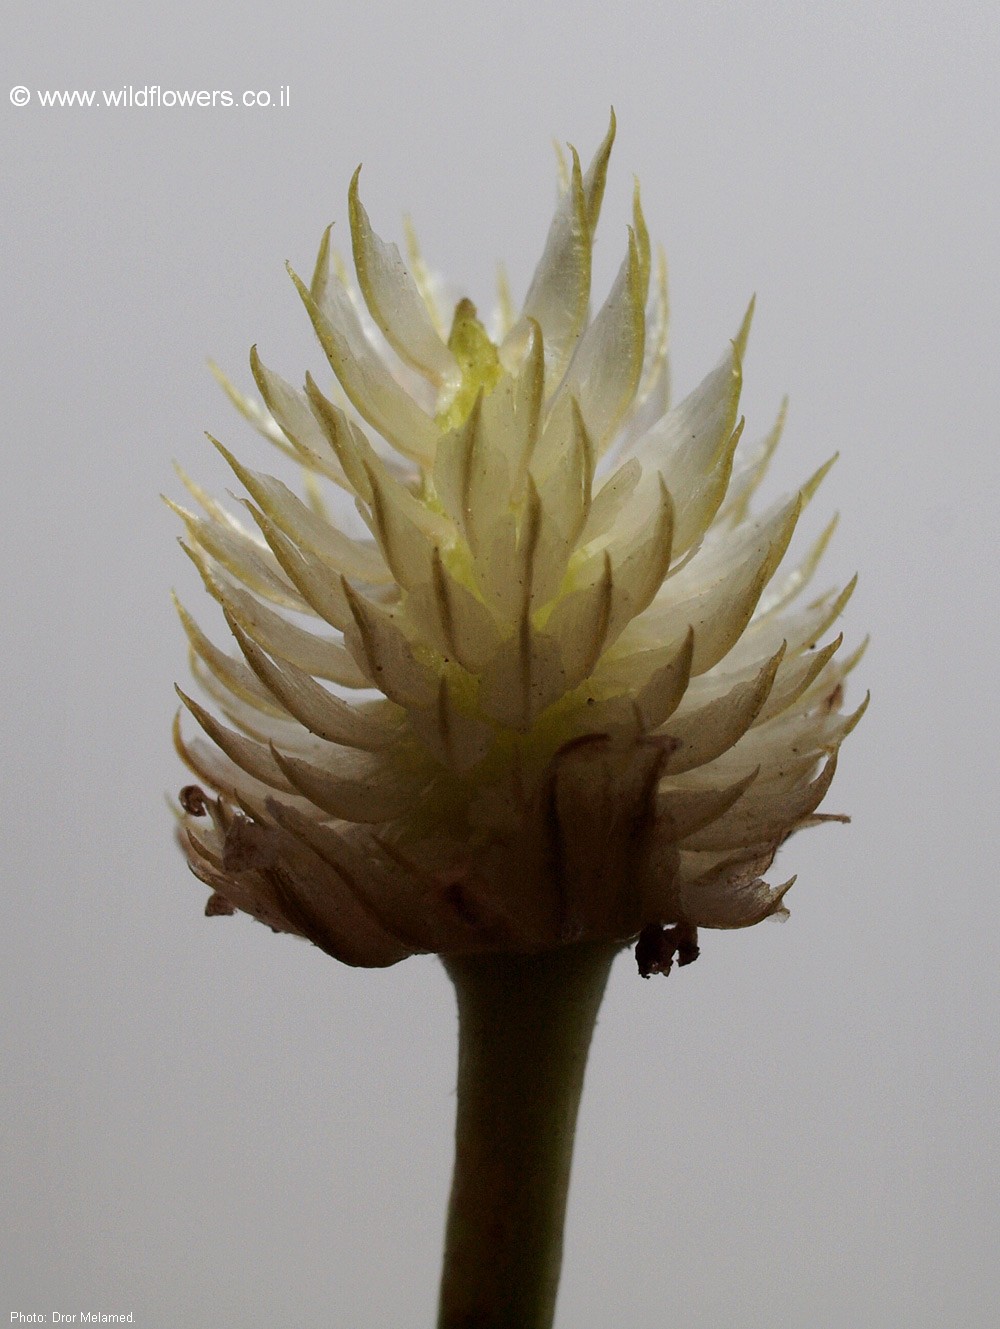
(572, 699)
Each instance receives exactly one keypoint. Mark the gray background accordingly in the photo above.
(209, 1125)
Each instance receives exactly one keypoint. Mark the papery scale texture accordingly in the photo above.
(574, 698)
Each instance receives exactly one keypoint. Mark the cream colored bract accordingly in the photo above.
(575, 698)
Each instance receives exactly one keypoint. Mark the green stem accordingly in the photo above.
(525, 1025)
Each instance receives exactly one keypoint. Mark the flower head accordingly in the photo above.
(572, 697)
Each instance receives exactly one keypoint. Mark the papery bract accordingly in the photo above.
(574, 697)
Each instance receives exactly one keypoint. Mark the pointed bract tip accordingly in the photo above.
(816, 479)
(742, 336)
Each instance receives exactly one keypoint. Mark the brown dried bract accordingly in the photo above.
(193, 800)
(658, 946)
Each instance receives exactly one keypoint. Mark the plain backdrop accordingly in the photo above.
(209, 1125)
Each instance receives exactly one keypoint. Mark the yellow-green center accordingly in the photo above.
(478, 361)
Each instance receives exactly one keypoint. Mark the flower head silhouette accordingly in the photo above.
(557, 688)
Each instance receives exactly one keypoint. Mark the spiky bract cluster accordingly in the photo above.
(571, 700)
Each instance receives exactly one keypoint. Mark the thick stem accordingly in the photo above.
(525, 1025)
